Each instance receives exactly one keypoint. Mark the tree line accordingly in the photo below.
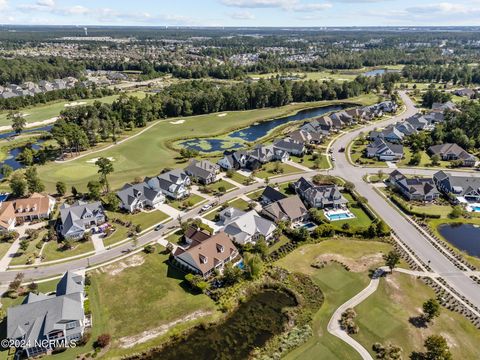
(454, 73)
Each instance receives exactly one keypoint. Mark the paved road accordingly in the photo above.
(403, 228)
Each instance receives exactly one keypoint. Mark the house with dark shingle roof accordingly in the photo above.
(290, 146)
(319, 196)
(419, 189)
(173, 184)
(78, 218)
(203, 171)
(45, 322)
(205, 257)
(270, 195)
(465, 187)
(384, 150)
(135, 197)
(449, 152)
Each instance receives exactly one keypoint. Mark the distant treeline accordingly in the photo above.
(455, 73)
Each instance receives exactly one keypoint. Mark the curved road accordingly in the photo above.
(402, 227)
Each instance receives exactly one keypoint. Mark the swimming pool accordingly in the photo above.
(241, 265)
(309, 226)
(339, 215)
(476, 208)
(3, 197)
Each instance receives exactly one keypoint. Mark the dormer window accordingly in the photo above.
(203, 259)
(220, 248)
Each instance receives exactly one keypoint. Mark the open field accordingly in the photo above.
(48, 111)
(384, 318)
(141, 294)
(148, 153)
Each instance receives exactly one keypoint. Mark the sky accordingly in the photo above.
(241, 12)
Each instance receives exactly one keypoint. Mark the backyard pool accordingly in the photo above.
(241, 265)
(335, 215)
(309, 226)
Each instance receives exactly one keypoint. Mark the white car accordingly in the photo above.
(206, 207)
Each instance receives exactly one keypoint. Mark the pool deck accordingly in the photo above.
(338, 214)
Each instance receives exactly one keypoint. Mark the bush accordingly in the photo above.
(401, 204)
(149, 249)
(103, 341)
(85, 338)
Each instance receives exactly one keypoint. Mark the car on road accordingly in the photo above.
(341, 150)
(206, 207)
(333, 159)
(159, 227)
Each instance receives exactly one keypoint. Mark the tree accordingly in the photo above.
(231, 274)
(94, 190)
(6, 170)
(61, 188)
(33, 181)
(18, 185)
(26, 156)
(253, 265)
(261, 247)
(349, 186)
(437, 349)
(382, 228)
(103, 340)
(18, 122)
(392, 259)
(105, 167)
(112, 201)
(431, 309)
(197, 282)
(436, 160)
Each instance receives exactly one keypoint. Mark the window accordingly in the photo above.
(71, 325)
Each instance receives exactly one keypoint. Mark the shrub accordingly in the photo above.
(103, 340)
(149, 249)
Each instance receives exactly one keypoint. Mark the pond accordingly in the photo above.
(236, 139)
(376, 72)
(465, 237)
(249, 327)
(11, 159)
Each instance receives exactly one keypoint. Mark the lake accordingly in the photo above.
(250, 326)
(465, 237)
(376, 72)
(236, 139)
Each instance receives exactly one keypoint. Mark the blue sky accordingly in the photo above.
(241, 12)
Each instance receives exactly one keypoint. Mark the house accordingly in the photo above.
(270, 195)
(78, 218)
(384, 150)
(7, 216)
(228, 162)
(36, 206)
(173, 184)
(319, 196)
(266, 154)
(449, 152)
(391, 133)
(205, 257)
(289, 209)
(463, 188)
(291, 146)
(135, 197)
(307, 137)
(419, 122)
(441, 107)
(203, 171)
(419, 189)
(253, 159)
(245, 227)
(469, 93)
(44, 322)
(194, 234)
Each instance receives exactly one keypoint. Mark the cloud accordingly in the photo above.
(255, 4)
(441, 8)
(311, 7)
(47, 3)
(242, 15)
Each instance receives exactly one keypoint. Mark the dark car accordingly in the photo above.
(159, 227)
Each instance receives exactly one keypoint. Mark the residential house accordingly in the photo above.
(391, 133)
(419, 122)
(306, 137)
(194, 234)
(442, 107)
(7, 216)
(289, 209)
(463, 188)
(469, 93)
(203, 171)
(449, 152)
(245, 227)
(384, 150)
(36, 206)
(44, 322)
(205, 257)
(228, 161)
(134, 197)
(173, 184)
(419, 189)
(78, 218)
(270, 195)
(291, 146)
(319, 196)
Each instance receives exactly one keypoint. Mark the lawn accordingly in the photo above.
(427, 208)
(384, 317)
(193, 200)
(239, 178)
(282, 241)
(142, 298)
(425, 161)
(357, 155)
(22, 257)
(144, 219)
(239, 204)
(4, 246)
(361, 219)
(268, 170)
(308, 161)
(150, 152)
(51, 250)
(175, 237)
(221, 183)
(121, 233)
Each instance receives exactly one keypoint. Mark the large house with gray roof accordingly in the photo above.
(319, 196)
(462, 188)
(46, 321)
(449, 152)
(134, 197)
(384, 150)
(204, 171)
(173, 184)
(419, 189)
(78, 218)
(290, 209)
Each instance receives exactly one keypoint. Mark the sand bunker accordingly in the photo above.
(178, 122)
(222, 115)
(75, 103)
(94, 160)
(356, 265)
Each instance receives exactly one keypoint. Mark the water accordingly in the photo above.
(236, 139)
(339, 216)
(8, 134)
(250, 326)
(309, 226)
(376, 72)
(465, 237)
(13, 153)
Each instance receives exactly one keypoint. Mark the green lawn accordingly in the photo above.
(239, 204)
(221, 183)
(357, 155)
(193, 199)
(142, 298)
(282, 241)
(134, 157)
(51, 250)
(361, 219)
(239, 178)
(121, 233)
(144, 219)
(24, 256)
(308, 161)
(428, 208)
(4, 246)
(176, 237)
(426, 161)
(268, 170)
(384, 317)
